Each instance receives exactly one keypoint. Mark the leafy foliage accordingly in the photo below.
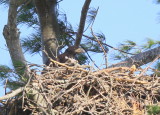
(14, 84)
(158, 1)
(127, 46)
(13, 80)
(95, 44)
(4, 72)
(91, 14)
(150, 43)
(27, 15)
(66, 37)
(131, 47)
(32, 43)
(5, 2)
(153, 110)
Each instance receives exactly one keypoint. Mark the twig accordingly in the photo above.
(105, 53)
(69, 67)
(5, 86)
(90, 58)
(103, 43)
(109, 45)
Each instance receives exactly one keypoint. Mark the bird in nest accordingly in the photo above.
(68, 57)
(69, 53)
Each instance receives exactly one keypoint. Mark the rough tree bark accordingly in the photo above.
(46, 10)
(11, 35)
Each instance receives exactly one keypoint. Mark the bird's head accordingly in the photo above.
(74, 50)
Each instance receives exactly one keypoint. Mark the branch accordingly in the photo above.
(103, 43)
(14, 93)
(82, 22)
(108, 45)
(139, 59)
(105, 53)
(69, 67)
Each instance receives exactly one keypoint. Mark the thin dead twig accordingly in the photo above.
(69, 67)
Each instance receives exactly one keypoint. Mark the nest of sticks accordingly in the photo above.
(79, 90)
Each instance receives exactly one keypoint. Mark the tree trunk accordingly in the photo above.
(46, 10)
(11, 35)
(139, 59)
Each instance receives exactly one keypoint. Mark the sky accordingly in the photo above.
(118, 20)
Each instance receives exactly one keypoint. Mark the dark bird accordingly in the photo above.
(70, 52)
(67, 57)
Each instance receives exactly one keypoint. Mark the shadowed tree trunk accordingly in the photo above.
(46, 10)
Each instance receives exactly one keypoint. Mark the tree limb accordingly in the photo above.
(108, 45)
(139, 59)
(14, 93)
(11, 34)
(82, 22)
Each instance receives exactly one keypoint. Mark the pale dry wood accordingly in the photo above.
(12, 94)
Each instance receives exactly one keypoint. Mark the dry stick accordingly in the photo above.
(69, 67)
(105, 54)
(106, 71)
(5, 86)
(82, 22)
(14, 93)
(28, 82)
(91, 59)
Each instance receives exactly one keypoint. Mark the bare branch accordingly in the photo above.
(82, 22)
(105, 53)
(14, 93)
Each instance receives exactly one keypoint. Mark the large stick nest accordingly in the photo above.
(73, 90)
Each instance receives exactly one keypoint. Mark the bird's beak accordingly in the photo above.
(79, 50)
